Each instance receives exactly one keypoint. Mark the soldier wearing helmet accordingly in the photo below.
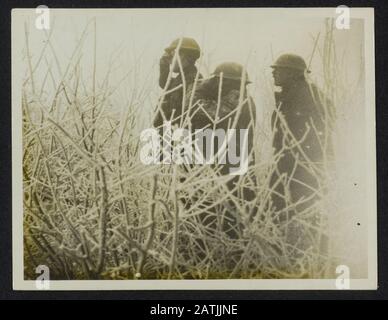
(228, 84)
(301, 123)
(177, 75)
(222, 102)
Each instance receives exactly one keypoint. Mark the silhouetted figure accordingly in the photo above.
(216, 107)
(302, 125)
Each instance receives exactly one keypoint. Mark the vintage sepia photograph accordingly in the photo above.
(206, 148)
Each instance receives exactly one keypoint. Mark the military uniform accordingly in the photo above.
(302, 124)
(203, 114)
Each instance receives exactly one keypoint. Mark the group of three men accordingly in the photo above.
(301, 129)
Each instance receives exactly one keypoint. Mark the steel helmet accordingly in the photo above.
(231, 70)
(291, 61)
(185, 43)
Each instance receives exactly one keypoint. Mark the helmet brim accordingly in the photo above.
(230, 78)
